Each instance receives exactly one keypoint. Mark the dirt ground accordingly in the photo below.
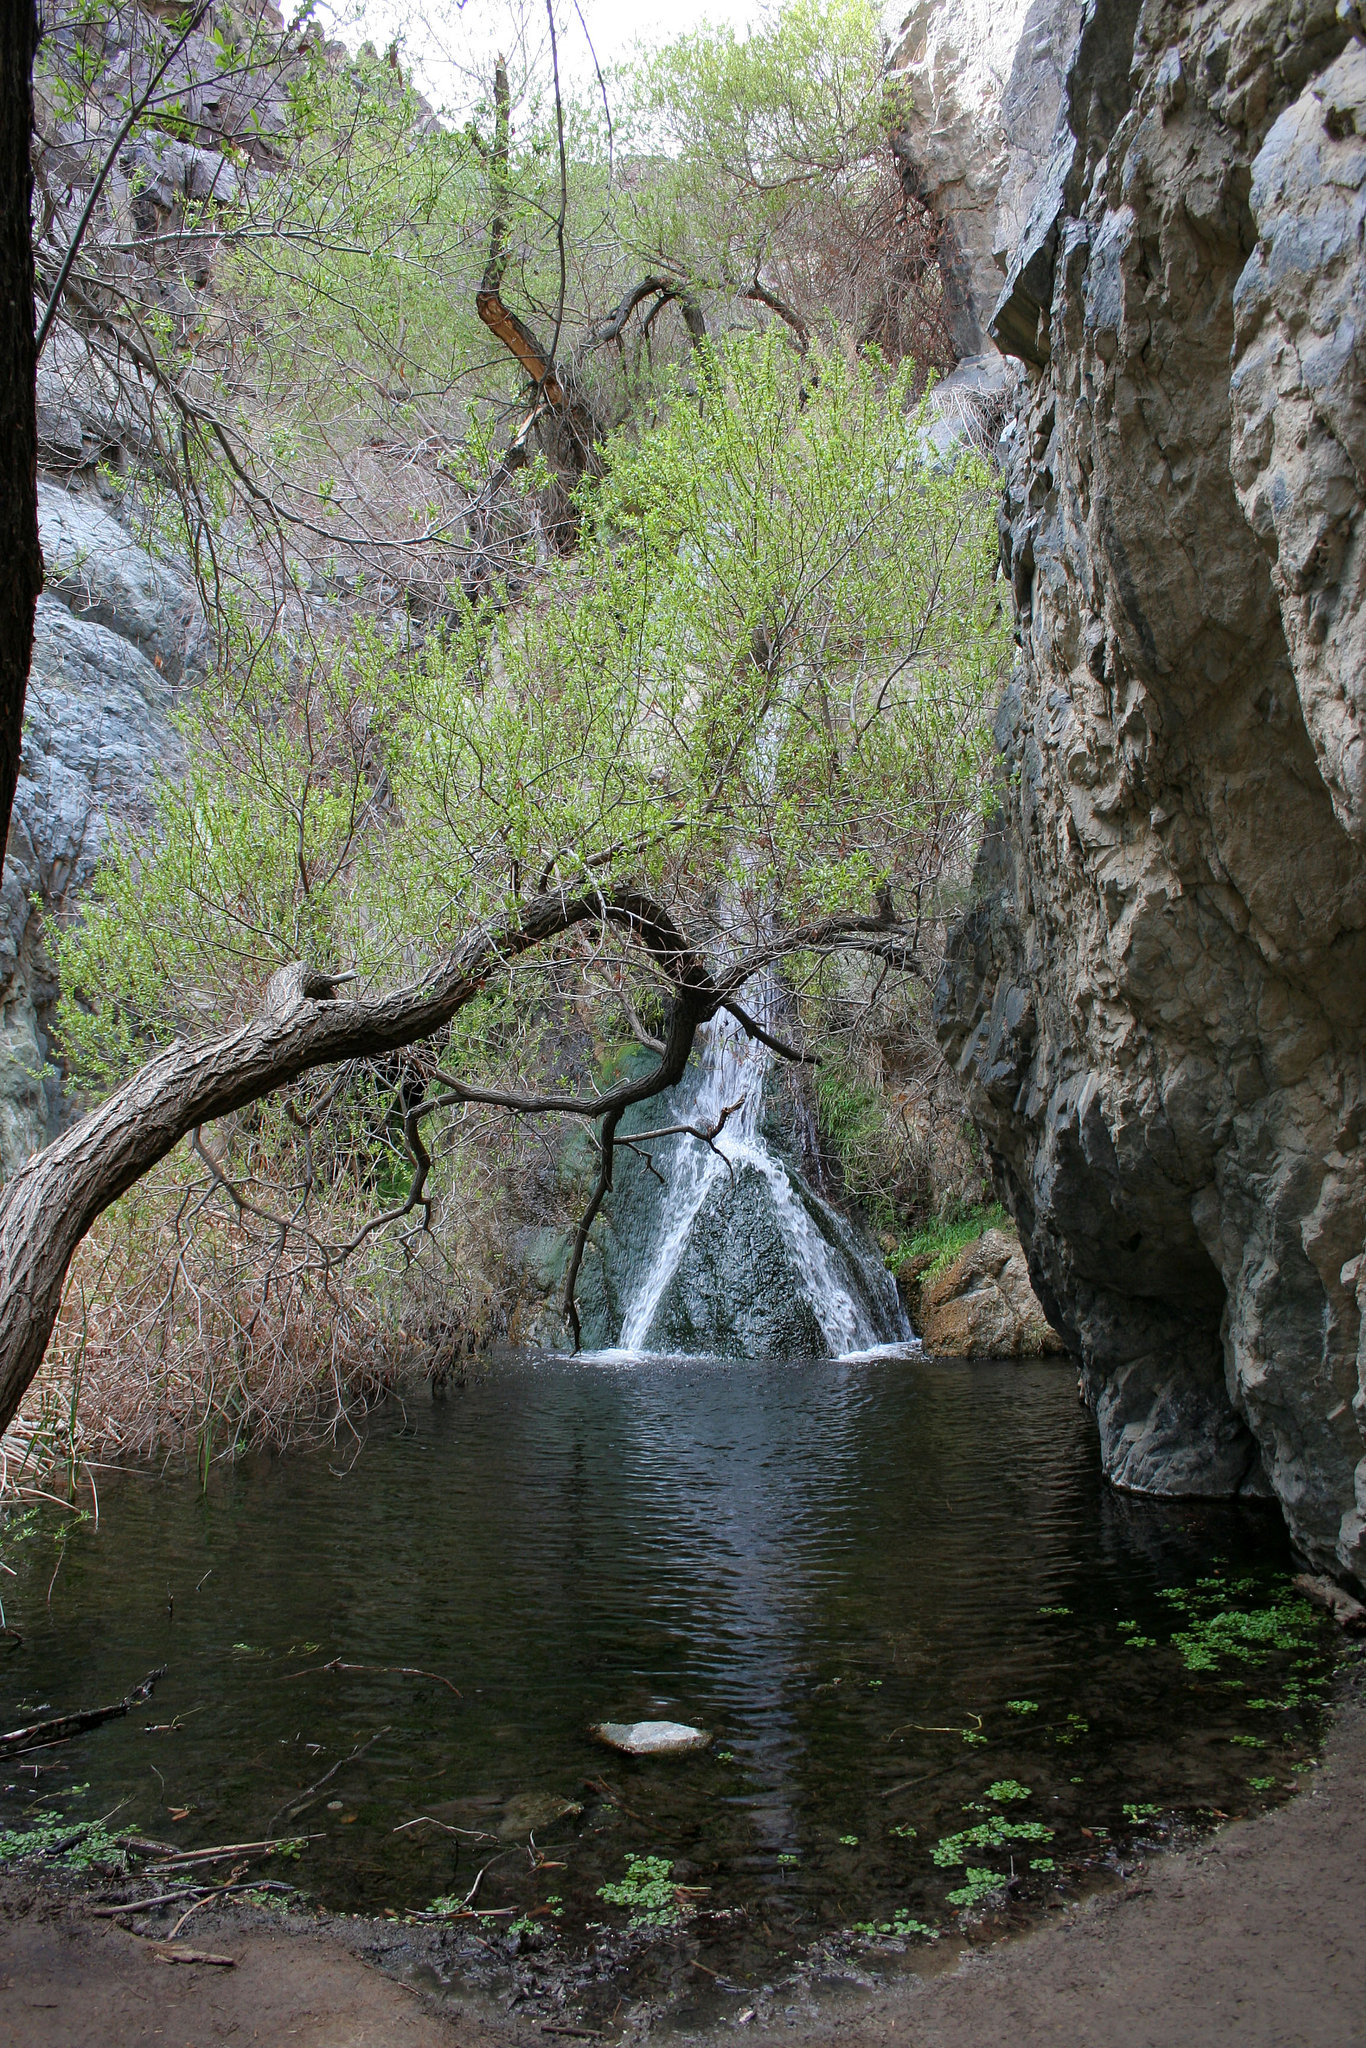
(1255, 1940)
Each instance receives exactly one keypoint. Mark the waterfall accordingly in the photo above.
(743, 1258)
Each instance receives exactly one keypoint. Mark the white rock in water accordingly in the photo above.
(651, 1738)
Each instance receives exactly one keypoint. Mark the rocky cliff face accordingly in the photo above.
(1159, 1000)
(115, 630)
(977, 88)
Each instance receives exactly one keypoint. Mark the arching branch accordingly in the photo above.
(50, 1204)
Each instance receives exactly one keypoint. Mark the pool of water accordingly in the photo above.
(890, 1588)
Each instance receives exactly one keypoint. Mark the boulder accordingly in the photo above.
(651, 1738)
(101, 573)
(982, 1305)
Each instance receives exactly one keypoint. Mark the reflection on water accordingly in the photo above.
(845, 1570)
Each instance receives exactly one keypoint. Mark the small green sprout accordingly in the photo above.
(849, 1841)
(646, 1890)
(981, 1885)
(988, 1834)
(900, 1923)
(1007, 1788)
(1023, 1706)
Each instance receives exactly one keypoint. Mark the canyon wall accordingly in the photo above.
(1158, 998)
(116, 630)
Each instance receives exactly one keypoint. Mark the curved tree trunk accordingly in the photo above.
(21, 561)
(52, 1202)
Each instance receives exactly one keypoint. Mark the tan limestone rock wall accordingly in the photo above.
(983, 1305)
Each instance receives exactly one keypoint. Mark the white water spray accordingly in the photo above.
(733, 1072)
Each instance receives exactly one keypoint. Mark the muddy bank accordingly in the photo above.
(1255, 1937)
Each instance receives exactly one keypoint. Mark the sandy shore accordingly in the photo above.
(1257, 1939)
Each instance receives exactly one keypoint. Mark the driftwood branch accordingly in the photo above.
(305, 1798)
(39, 1734)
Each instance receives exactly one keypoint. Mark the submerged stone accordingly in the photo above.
(651, 1738)
(527, 1811)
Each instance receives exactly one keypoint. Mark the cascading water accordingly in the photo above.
(736, 1256)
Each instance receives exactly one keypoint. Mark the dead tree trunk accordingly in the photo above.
(21, 562)
(52, 1202)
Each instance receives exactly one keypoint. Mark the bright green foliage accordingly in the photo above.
(647, 1893)
(981, 1885)
(901, 1923)
(73, 1845)
(941, 1242)
(1003, 1789)
(988, 1834)
(755, 140)
(1023, 1706)
(1135, 1811)
(767, 673)
(1249, 1635)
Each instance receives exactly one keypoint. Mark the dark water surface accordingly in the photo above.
(844, 1569)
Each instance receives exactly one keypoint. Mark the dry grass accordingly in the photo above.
(189, 1330)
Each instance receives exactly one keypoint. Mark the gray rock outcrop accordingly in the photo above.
(97, 727)
(977, 91)
(1158, 1001)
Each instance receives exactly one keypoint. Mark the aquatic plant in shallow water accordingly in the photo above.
(1249, 1635)
(988, 1834)
(71, 1845)
(648, 1892)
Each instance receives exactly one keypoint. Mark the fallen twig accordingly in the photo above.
(904, 1784)
(184, 1857)
(310, 1792)
(601, 1785)
(40, 1733)
(178, 1898)
(391, 1670)
(164, 1954)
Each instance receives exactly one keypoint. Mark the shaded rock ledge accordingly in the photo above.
(1157, 1000)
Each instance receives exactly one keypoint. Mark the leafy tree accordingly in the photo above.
(695, 645)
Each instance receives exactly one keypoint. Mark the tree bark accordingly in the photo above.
(52, 1202)
(21, 561)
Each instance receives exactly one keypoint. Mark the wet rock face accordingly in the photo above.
(1158, 999)
(983, 1306)
(113, 631)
